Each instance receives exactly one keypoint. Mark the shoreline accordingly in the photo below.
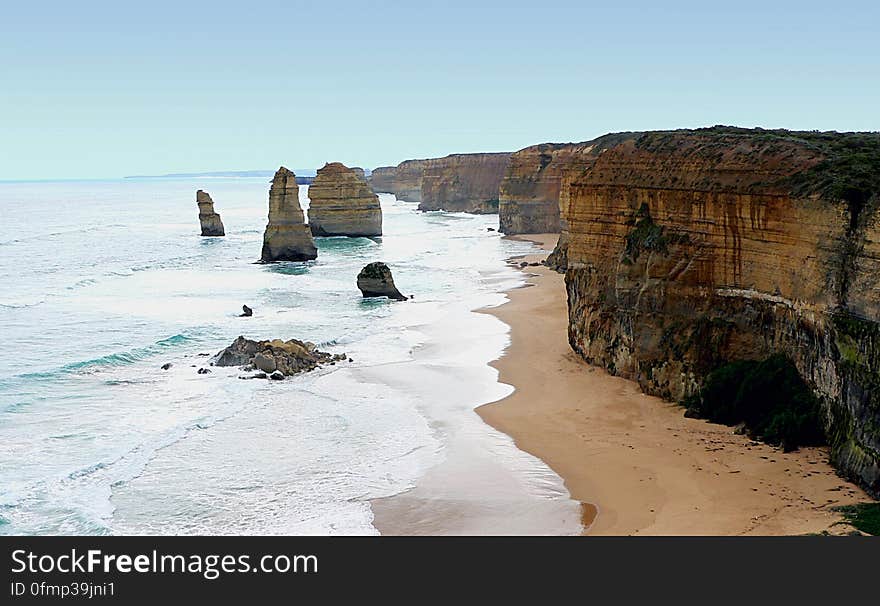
(643, 466)
(480, 482)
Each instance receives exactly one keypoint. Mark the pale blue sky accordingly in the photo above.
(106, 89)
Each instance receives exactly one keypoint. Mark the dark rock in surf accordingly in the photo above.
(209, 219)
(375, 280)
(286, 357)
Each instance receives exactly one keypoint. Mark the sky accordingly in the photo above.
(93, 89)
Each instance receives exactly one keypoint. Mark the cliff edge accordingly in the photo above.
(689, 250)
(534, 184)
(457, 183)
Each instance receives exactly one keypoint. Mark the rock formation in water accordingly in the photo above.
(210, 220)
(342, 204)
(287, 237)
(531, 191)
(375, 280)
(286, 357)
(690, 250)
(459, 183)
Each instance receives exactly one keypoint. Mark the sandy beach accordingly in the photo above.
(643, 466)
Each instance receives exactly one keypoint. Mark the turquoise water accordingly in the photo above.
(104, 282)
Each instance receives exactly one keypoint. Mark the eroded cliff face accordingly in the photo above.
(342, 204)
(532, 189)
(690, 249)
(464, 183)
(381, 179)
(460, 182)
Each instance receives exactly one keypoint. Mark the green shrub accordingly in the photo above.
(769, 396)
(864, 516)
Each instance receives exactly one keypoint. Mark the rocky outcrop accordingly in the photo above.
(530, 193)
(375, 280)
(287, 237)
(285, 357)
(457, 183)
(342, 204)
(691, 249)
(210, 220)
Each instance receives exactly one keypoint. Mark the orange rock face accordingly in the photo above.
(460, 182)
(690, 249)
(342, 204)
(532, 188)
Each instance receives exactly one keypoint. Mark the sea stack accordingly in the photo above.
(287, 237)
(375, 280)
(210, 220)
(342, 203)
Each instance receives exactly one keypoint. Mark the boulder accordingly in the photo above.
(284, 357)
(287, 237)
(264, 362)
(342, 204)
(246, 312)
(210, 220)
(375, 280)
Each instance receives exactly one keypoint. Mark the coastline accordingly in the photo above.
(645, 467)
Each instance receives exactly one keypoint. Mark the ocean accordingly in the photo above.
(103, 282)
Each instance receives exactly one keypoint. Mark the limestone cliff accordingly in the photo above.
(463, 183)
(208, 218)
(403, 180)
(287, 237)
(689, 249)
(381, 179)
(459, 182)
(342, 204)
(530, 193)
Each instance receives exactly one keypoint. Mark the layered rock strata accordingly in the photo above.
(691, 249)
(381, 179)
(287, 237)
(463, 183)
(342, 204)
(208, 218)
(531, 191)
(458, 183)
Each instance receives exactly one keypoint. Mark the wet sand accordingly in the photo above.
(646, 468)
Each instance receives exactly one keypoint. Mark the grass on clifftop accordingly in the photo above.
(850, 171)
(768, 396)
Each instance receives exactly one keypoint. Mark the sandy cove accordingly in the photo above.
(645, 467)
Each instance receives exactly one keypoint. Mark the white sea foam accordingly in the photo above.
(95, 438)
